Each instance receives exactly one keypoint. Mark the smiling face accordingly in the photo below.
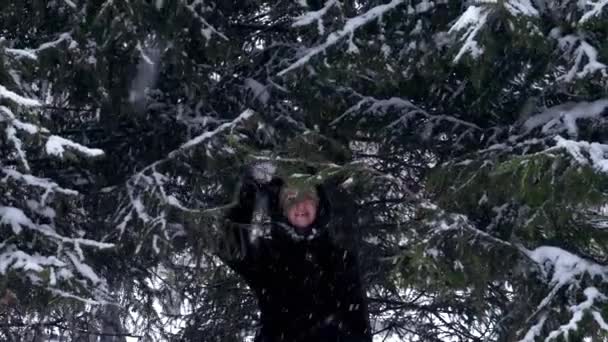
(302, 214)
(300, 205)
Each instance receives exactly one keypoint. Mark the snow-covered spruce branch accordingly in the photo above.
(585, 153)
(30, 180)
(461, 222)
(315, 16)
(470, 23)
(70, 3)
(68, 257)
(372, 106)
(347, 30)
(593, 8)
(152, 182)
(560, 269)
(18, 99)
(208, 30)
(64, 269)
(245, 115)
(564, 117)
(564, 270)
(475, 18)
(540, 132)
(33, 53)
(18, 220)
(56, 146)
(582, 55)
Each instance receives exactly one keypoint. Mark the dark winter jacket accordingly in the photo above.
(308, 287)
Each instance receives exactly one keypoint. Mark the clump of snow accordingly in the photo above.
(6, 114)
(578, 312)
(458, 265)
(312, 16)
(263, 172)
(70, 3)
(596, 9)
(521, 7)
(596, 152)
(84, 269)
(347, 183)
(260, 92)
(561, 266)
(563, 269)
(56, 146)
(66, 36)
(582, 54)
(87, 301)
(535, 330)
(147, 73)
(15, 218)
(471, 22)
(12, 258)
(11, 135)
(24, 101)
(22, 53)
(564, 116)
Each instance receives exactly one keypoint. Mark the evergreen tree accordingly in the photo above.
(471, 135)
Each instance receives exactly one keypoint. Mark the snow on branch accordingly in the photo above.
(582, 54)
(406, 110)
(208, 135)
(349, 28)
(12, 258)
(312, 16)
(18, 99)
(560, 270)
(70, 3)
(15, 218)
(521, 7)
(84, 269)
(593, 9)
(56, 146)
(22, 53)
(470, 22)
(208, 31)
(578, 311)
(564, 270)
(535, 330)
(565, 116)
(33, 53)
(31, 180)
(66, 36)
(151, 182)
(11, 135)
(88, 301)
(7, 115)
(562, 267)
(259, 91)
(14, 124)
(66, 254)
(585, 153)
(473, 20)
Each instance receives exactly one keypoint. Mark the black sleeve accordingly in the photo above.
(234, 245)
(352, 303)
